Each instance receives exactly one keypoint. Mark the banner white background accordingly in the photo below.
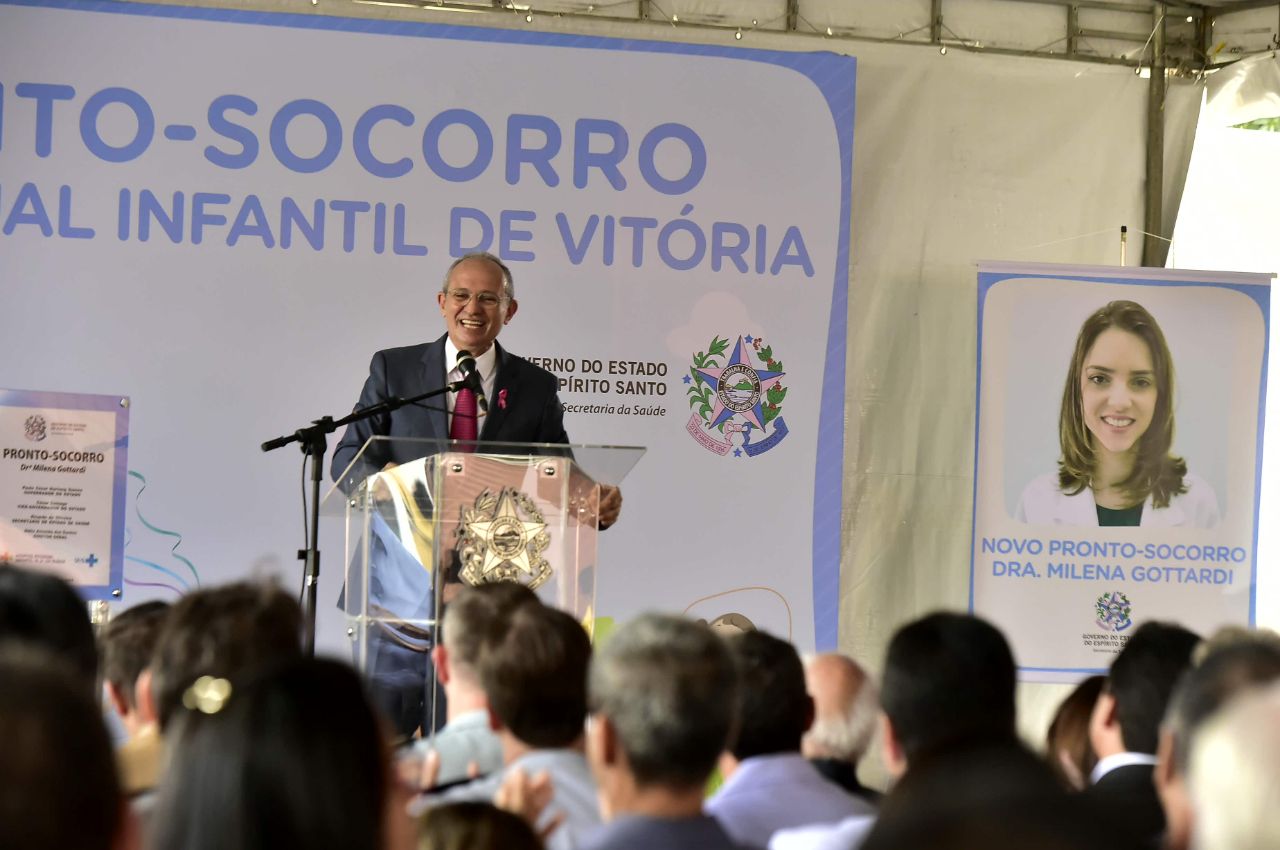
(224, 345)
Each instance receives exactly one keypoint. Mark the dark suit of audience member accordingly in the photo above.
(1125, 726)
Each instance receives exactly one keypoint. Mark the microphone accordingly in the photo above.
(467, 365)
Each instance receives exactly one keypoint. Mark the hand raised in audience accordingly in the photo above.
(528, 797)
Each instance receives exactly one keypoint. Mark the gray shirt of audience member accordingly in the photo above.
(465, 743)
(573, 793)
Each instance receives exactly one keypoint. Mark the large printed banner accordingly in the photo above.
(1119, 455)
(225, 214)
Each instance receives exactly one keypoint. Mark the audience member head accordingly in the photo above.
(949, 680)
(474, 826)
(128, 642)
(1234, 775)
(535, 677)
(986, 795)
(476, 617)
(288, 755)
(43, 609)
(1067, 744)
(774, 708)
(220, 632)
(1065, 824)
(845, 705)
(58, 773)
(1237, 660)
(1127, 715)
(663, 695)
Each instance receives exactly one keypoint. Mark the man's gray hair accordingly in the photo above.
(669, 687)
(848, 735)
(1236, 659)
(1235, 760)
(508, 285)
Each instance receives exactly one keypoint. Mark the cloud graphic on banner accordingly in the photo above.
(709, 313)
(179, 577)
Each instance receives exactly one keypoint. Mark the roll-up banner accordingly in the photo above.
(1118, 455)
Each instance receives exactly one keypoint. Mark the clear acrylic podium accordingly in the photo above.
(466, 513)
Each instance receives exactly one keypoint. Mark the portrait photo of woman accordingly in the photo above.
(1116, 430)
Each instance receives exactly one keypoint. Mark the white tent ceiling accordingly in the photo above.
(1199, 34)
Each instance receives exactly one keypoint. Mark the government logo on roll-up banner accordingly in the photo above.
(737, 406)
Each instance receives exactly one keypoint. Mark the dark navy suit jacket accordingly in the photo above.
(524, 408)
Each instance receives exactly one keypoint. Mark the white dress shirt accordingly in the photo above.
(1117, 760)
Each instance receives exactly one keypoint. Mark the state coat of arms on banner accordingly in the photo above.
(737, 403)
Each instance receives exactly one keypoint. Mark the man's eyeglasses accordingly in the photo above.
(462, 297)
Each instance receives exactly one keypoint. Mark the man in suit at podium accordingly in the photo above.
(476, 302)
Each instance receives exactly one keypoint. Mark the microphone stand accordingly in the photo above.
(312, 439)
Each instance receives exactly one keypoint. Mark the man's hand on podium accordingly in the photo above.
(610, 505)
(382, 493)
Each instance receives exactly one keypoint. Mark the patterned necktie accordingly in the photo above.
(464, 416)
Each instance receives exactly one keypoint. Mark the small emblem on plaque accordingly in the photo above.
(502, 539)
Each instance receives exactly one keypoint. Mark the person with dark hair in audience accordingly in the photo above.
(769, 785)
(290, 755)
(947, 692)
(474, 826)
(42, 609)
(534, 675)
(663, 694)
(217, 631)
(997, 797)
(949, 681)
(477, 616)
(1236, 660)
(127, 643)
(1067, 744)
(220, 631)
(845, 706)
(1125, 724)
(58, 784)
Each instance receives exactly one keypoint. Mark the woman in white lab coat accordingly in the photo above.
(1116, 430)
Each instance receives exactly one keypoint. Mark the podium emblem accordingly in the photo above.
(502, 539)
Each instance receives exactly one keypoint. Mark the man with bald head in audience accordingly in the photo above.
(769, 785)
(845, 705)
(947, 695)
